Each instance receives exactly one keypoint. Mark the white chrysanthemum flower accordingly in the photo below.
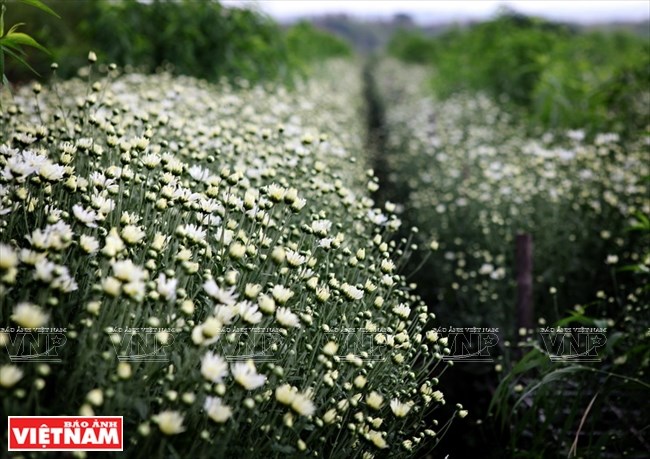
(278, 254)
(321, 227)
(402, 310)
(221, 296)
(52, 172)
(387, 265)
(326, 243)
(214, 367)
(351, 292)
(63, 281)
(28, 315)
(126, 271)
(44, 270)
(132, 234)
(159, 242)
(354, 359)
(251, 291)
(287, 318)
(8, 257)
(246, 375)
(135, 290)
(281, 294)
(374, 400)
(266, 303)
(329, 416)
(237, 250)
(86, 216)
(95, 397)
(400, 409)
(432, 336)
(330, 348)
(113, 243)
(285, 394)
(193, 232)
(276, 192)
(10, 375)
(323, 294)
(298, 204)
(151, 160)
(103, 204)
(360, 381)
(377, 439)
(198, 173)
(302, 404)
(169, 422)
(249, 312)
(216, 410)
(88, 244)
(31, 257)
(166, 288)
(124, 370)
(294, 259)
(224, 233)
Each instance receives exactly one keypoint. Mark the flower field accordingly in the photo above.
(231, 230)
(229, 235)
(465, 174)
(469, 179)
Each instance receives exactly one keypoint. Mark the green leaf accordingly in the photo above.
(531, 360)
(551, 377)
(15, 48)
(19, 38)
(21, 60)
(15, 27)
(2, 20)
(41, 6)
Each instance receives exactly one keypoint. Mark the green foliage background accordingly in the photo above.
(197, 38)
(562, 76)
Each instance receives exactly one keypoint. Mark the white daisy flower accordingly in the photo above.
(399, 409)
(28, 315)
(221, 296)
(216, 410)
(287, 318)
(214, 367)
(169, 422)
(246, 375)
(10, 375)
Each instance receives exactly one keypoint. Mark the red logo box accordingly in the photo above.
(65, 433)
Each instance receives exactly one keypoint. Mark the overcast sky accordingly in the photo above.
(441, 11)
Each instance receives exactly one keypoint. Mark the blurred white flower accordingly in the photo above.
(169, 422)
(28, 315)
(221, 296)
(287, 318)
(399, 409)
(214, 367)
(246, 375)
(302, 404)
(10, 375)
(216, 410)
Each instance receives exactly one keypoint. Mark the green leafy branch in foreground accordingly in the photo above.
(13, 42)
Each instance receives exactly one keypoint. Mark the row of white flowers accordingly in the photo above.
(471, 178)
(232, 225)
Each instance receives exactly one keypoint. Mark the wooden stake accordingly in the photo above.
(524, 260)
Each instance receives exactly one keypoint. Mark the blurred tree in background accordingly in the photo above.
(563, 76)
(198, 38)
